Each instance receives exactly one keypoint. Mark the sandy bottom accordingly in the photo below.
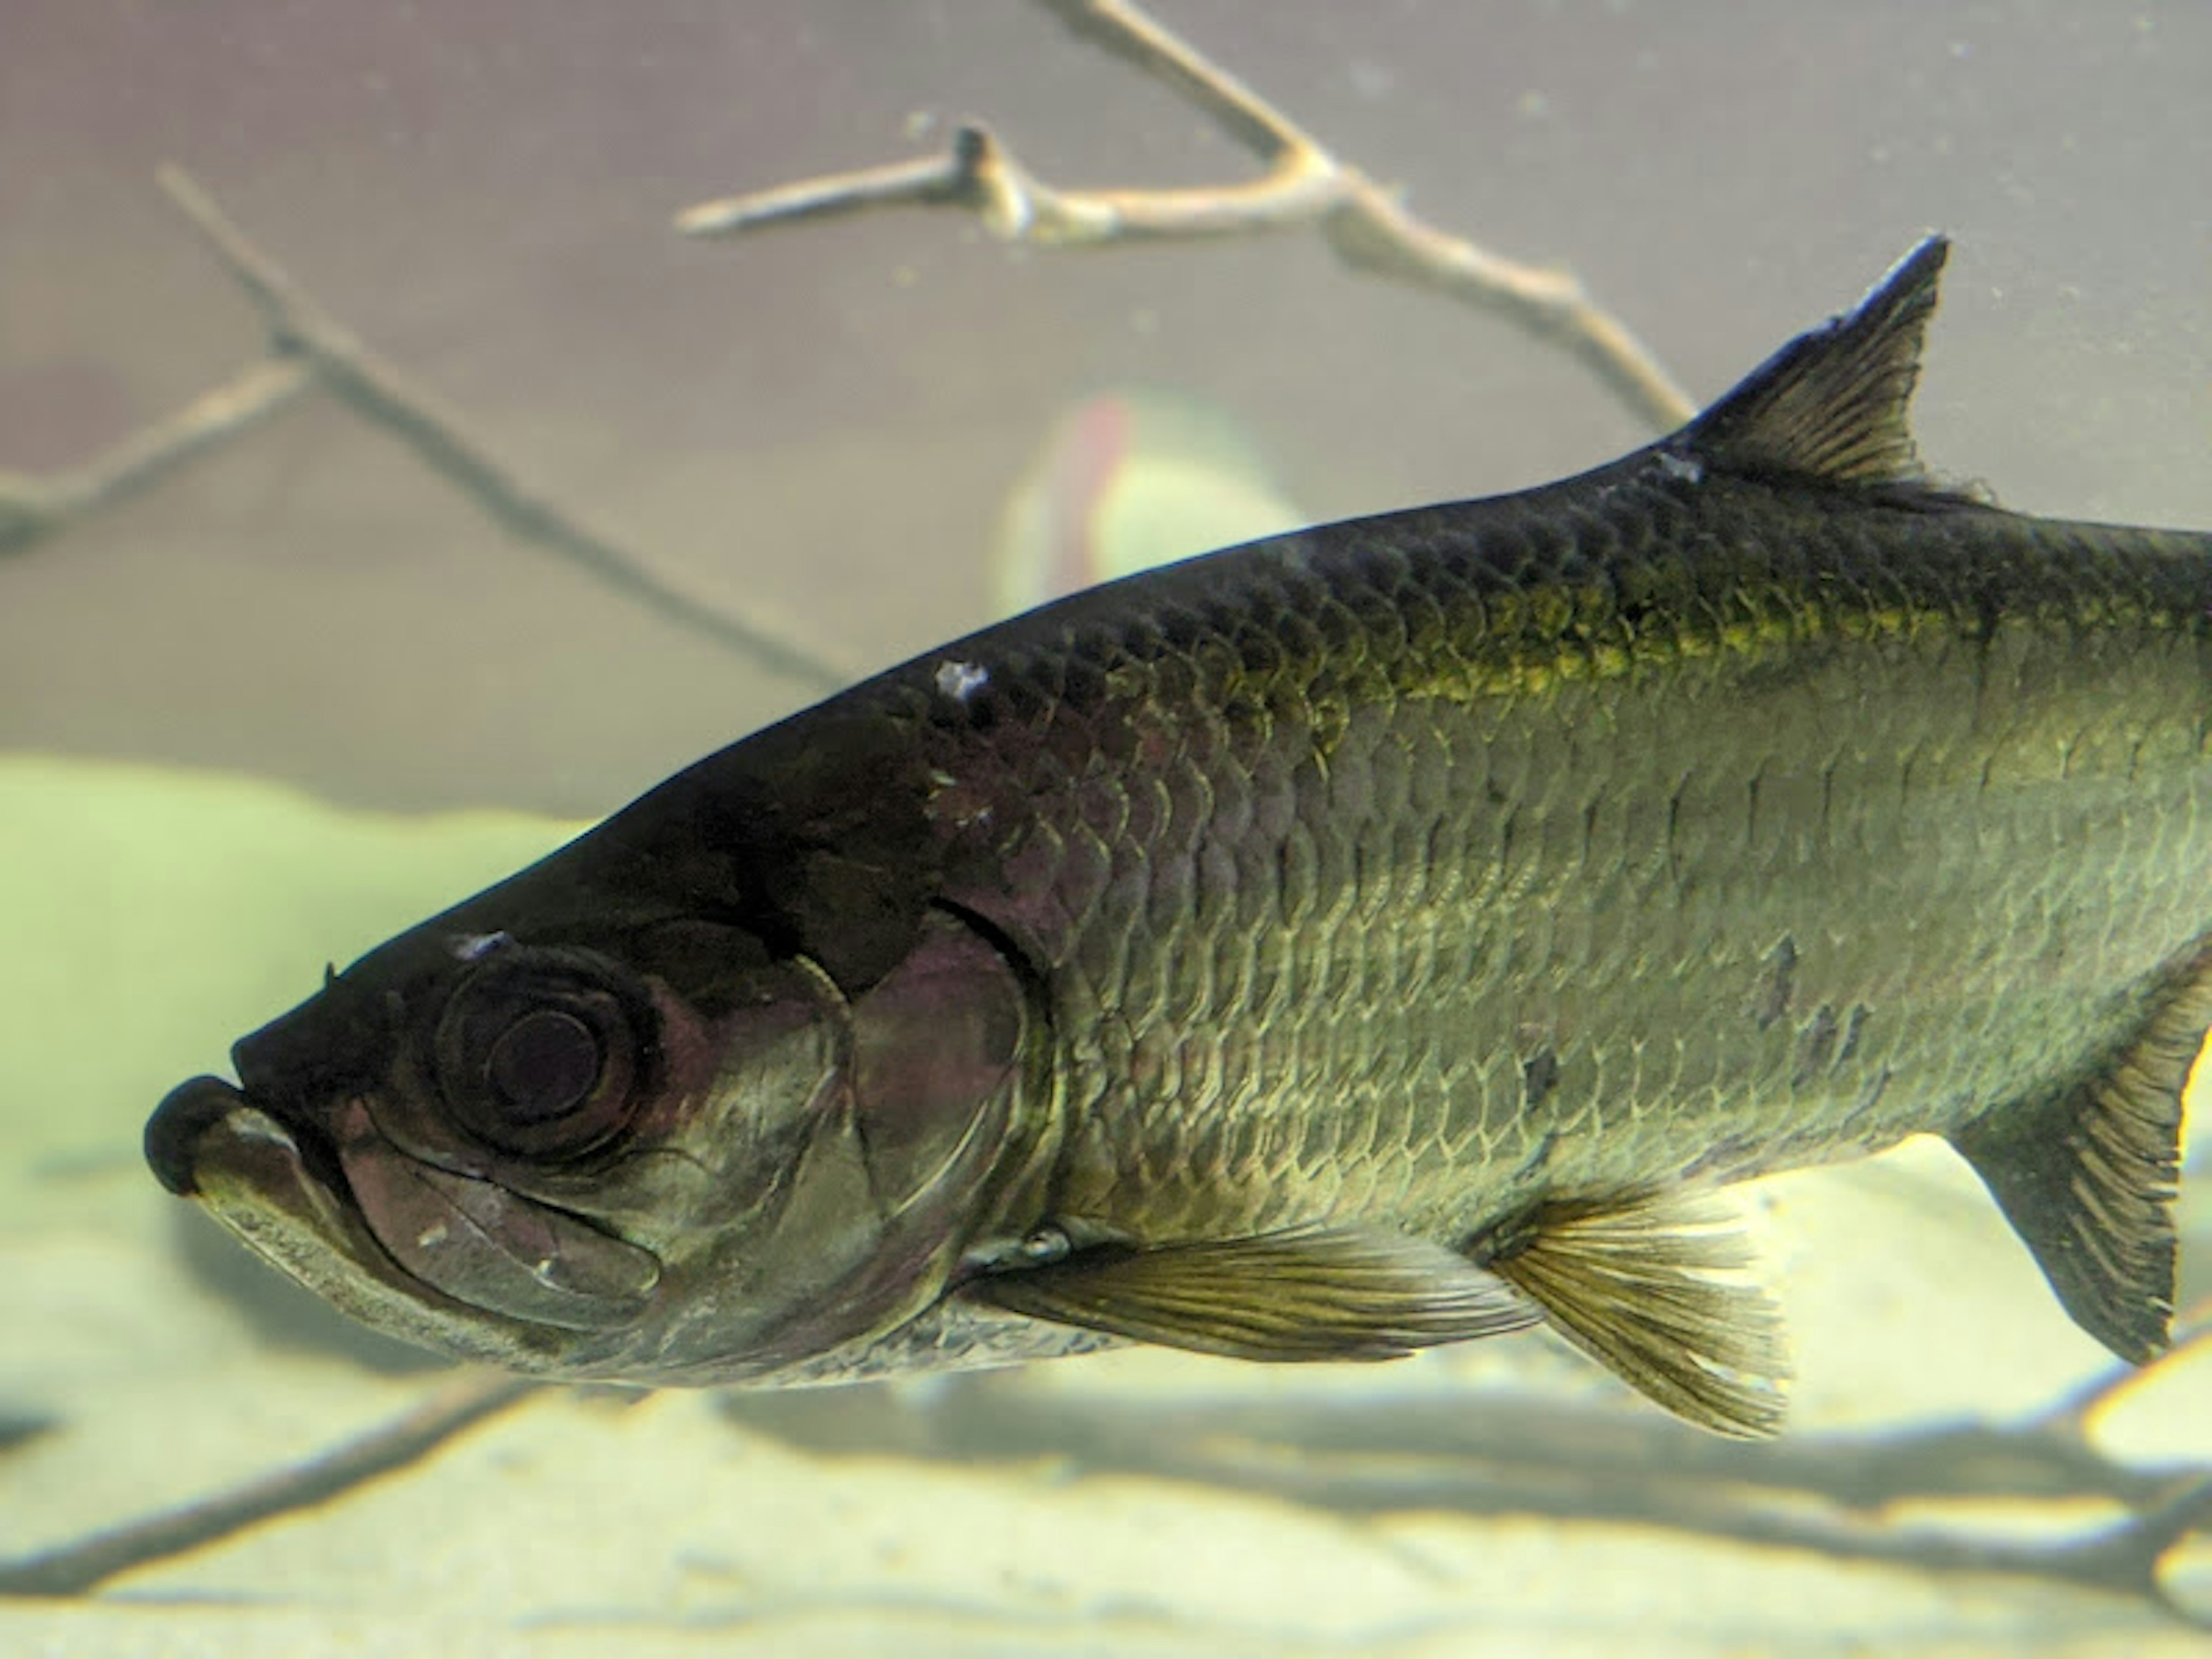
(153, 917)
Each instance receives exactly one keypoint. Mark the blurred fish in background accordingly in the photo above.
(1128, 478)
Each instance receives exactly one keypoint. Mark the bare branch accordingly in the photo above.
(301, 333)
(33, 507)
(952, 177)
(981, 173)
(72, 1568)
(1510, 1454)
(1126, 33)
(1367, 223)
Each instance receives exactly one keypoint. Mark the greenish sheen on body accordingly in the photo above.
(1366, 938)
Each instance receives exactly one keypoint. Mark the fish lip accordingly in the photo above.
(172, 1133)
(207, 1127)
(188, 1113)
(177, 1143)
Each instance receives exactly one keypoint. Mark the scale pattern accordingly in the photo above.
(1652, 826)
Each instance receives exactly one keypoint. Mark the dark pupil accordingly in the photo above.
(544, 1065)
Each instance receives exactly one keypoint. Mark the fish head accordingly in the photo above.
(654, 1151)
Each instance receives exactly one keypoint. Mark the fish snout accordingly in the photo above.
(335, 1043)
(174, 1132)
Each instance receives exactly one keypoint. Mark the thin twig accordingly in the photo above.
(33, 507)
(1368, 224)
(300, 329)
(74, 1568)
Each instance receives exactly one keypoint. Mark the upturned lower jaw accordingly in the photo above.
(208, 1141)
(174, 1132)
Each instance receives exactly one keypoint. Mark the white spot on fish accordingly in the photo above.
(961, 680)
(1683, 469)
(430, 1237)
(468, 947)
(1048, 1244)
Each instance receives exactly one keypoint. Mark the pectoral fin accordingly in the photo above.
(1304, 1294)
(1645, 1287)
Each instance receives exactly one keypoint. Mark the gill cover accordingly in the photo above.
(882, 1203)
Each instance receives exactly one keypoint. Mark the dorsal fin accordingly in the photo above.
(1833, 404)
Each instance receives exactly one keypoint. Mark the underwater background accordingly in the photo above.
(300, 689)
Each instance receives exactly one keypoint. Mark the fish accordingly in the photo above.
(1383, 935)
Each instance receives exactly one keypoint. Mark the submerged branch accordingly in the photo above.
(1498, 1454)
(380, 393)
(32, 508)
(1367, 223)
(1503, 1454)
(309, 349)
(74, 1568)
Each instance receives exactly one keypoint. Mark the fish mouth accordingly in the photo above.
(285, 1197)
(452, 1261)
(172, 1133)
(207, 1138)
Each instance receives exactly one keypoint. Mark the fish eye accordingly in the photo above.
(543, 1066)
(538, 1053)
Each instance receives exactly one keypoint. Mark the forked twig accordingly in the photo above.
(377, 391)
(1367, 223)
(309, 349)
